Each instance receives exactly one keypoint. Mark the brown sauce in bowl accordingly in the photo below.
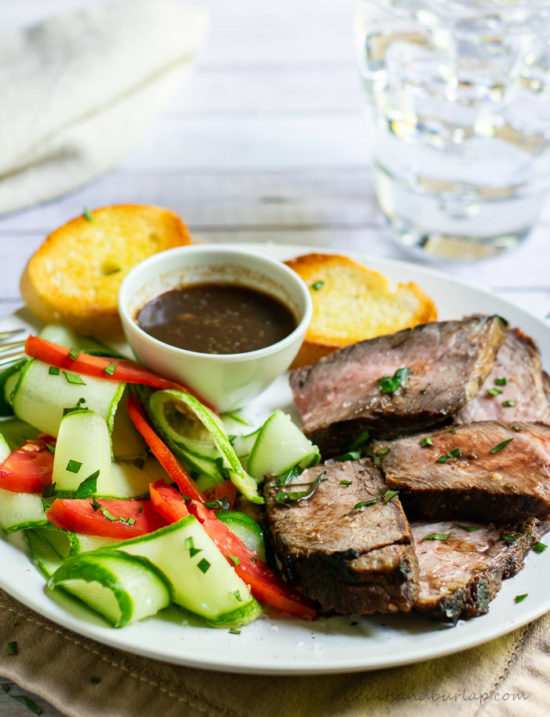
(216, 318)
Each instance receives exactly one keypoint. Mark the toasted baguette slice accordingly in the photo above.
(352, 303)
(74, 277)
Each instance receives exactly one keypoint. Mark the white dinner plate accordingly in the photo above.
(283, 645)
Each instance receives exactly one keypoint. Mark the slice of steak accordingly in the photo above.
(339, 396)
(477, 471)
(349, 556)
(514, 390)
(459, 576)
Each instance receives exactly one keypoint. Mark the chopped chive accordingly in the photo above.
(470, 528)
(95, 680)
(194, 551)
(138, 463)
(345, 482)
(426, 442)
(509, 538)
(189, 545)
(362, 438)
(455, 453)
(317, 285)
(108, 515)
(516, 427)
(88, 486)
(140, 509)
(493, 391)
(364, 503)
(203, 565)
(87, 214)
(442, 459)
(501, 381)
(53, 370)
(539, 547)
(234, 631)
(74, 354)
(12, 649)
(110, 369)
(237, 595)
(128, 521)
(500, 446)
(391, 384)
(48, 490)
(95, 505)
(115, 270)
(253, 559)
(520, 598)
(73, 466)
(74, 378)
(51, 448)
(389, 495)
(348, 456)
(436, 536)
(29, 704)
(509, 403)
(453, 431)
(234, 559)
(383, 452)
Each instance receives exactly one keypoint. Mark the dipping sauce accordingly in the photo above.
(216, 318)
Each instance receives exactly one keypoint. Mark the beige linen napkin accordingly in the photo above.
(78, 90)
(508, 677)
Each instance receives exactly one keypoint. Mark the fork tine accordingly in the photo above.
(9, 333)
(11, 358)
(13, 345)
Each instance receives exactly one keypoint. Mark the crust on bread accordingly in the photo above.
(352, 303)
(75, 275)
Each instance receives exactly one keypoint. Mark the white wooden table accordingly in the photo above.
(268, 142)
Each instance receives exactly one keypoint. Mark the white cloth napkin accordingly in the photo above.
(78, 90)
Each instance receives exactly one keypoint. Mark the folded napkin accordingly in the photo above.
(508, 677)
(78, 90)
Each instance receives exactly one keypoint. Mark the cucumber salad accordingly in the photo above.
(131, 494)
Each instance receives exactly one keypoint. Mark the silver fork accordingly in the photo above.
(12, 350)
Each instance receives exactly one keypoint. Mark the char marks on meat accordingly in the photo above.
(522, 397)
(476, 471)
(339, 396)
(459, 576)
(349, 558)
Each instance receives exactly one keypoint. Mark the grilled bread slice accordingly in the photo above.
(352, 303)
(75, 275)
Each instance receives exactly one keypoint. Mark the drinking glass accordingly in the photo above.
(459, 97)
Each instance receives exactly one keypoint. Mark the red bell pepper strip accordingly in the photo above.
(264, 584)
(226, 492)
(105, 517)
(112, 369)
(161, 451)
(28, 469)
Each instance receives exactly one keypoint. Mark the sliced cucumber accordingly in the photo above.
(127, 443)
(122, 588)
(243, 445)
(16, 432)
(162, 404)
(42, 397)
(64, 336)
(245, 528)
(202, 580)
(280, 446)
(205, 471)
(43, 553)
(8, 381)
(83, 449)
(5, 449)
(19, 511)
(131, 480)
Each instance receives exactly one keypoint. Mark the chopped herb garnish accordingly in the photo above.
(237, 595)
(112, 271)
(51, 448)
(12, 649)
(317, 285)
(74, 354)
(520, 598)
(455, 453)
(288, 475)
(128, 521)
(348, 456)
(234, 631)
(29, 704)
(361, 439)
(283, 497)
(501, 381)
(253, 559)
(138, 463)
(509, 403)
(189, 545)
(218, 504)
(95, 680)
(363, 504)
(469, 528)
(425, 442)
(203, 565)
(73, 466)
(509, 538)
(74, 378)
(95, 504)
(140, 509)
(345, 482)
(539, 547)
(391, 384)
(88, 486)
(108, 515)
(442, 459)
(88, 215)
(516, 427)
(380, 454)
(48, 490)
(453, 431)
(500, 446)
(110, 369)
(389, 495)
(493, 392)
(234, 559)
(436, 536)
(6, 687)
(53, 371)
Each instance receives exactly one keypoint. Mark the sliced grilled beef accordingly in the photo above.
(340, 395)
(480, 471)
(459, 576)
(348, 556)
(517, 375)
